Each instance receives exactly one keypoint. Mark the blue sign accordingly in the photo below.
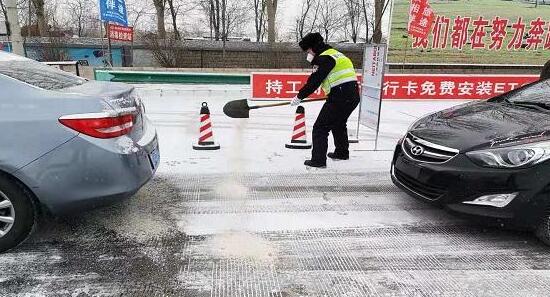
(5, 47)
(95, 56)
(113, 11)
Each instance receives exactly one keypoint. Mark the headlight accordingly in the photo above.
(512, 157)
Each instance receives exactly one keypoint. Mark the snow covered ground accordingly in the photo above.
(250, 220)
(257, 144)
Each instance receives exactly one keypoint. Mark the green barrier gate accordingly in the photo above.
(170, 77)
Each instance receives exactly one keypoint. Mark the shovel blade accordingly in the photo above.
(237, 109)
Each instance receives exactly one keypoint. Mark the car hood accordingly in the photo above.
(482, 125)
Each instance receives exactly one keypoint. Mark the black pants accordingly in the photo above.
(333, 118)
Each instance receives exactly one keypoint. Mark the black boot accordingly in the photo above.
(336, 156)
(312, 163)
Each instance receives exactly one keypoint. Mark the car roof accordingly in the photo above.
(6, 57)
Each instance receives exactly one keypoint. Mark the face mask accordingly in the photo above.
(310, 57)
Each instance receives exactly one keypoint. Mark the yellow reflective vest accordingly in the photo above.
(343, 72)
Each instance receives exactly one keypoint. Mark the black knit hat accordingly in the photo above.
(311, 40)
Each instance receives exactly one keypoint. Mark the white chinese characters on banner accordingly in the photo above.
(278, 87)
(296, 85)
(275, 87)
(284, 86)
(481, 33)
(437, 88)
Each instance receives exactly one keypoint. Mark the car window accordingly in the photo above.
(537, 93)
(39, 75)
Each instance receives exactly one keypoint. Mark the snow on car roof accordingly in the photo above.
(6, 57)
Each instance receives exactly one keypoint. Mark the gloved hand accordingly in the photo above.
(295, 101)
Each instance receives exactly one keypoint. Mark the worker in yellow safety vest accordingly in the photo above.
(335, 74)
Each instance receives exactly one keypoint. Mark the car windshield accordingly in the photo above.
(39, 75)
(537, 93)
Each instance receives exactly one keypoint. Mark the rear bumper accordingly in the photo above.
(81, 175)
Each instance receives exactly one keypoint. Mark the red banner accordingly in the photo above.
(493, 34)
(284, 86)
(269, 86)
(121, 33)
(421, 17)
(459, 87)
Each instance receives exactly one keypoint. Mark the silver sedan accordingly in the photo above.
(66, 144)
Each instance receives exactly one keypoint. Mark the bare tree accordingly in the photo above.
(380, 7)
(53, 50)
(178, 9)
(168, 52)
(137, 11)
(27, 17)
(224, 23)
(54, 20)
(354, 18)
(174, 15)
(215, 11)
(226, 17)
(160, 7)
(212, 9)
(306, 21)
(260, 19)
(235, 17)
(271, 22)
(330, 18)
(4, 11)
(80, 14)
(371, 14)
(40, 11)
(367, 14)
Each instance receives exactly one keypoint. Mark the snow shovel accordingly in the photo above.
(239, 109)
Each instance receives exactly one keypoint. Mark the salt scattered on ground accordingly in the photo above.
(242, 245)
(256, 145)
(231, 189)
(249, 220)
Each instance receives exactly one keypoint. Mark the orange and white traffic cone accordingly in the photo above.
(206, 136)
(299, 137)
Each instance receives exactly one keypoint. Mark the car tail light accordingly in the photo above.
(100, 125)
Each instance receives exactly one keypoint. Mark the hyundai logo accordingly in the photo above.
(417, 150)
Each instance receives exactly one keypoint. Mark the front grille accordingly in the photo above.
(424, 151)
(427, 191)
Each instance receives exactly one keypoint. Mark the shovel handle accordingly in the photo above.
(286, 103)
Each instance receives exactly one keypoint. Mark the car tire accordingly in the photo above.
(16, 204)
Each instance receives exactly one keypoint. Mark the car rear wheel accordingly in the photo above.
(17, 214)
